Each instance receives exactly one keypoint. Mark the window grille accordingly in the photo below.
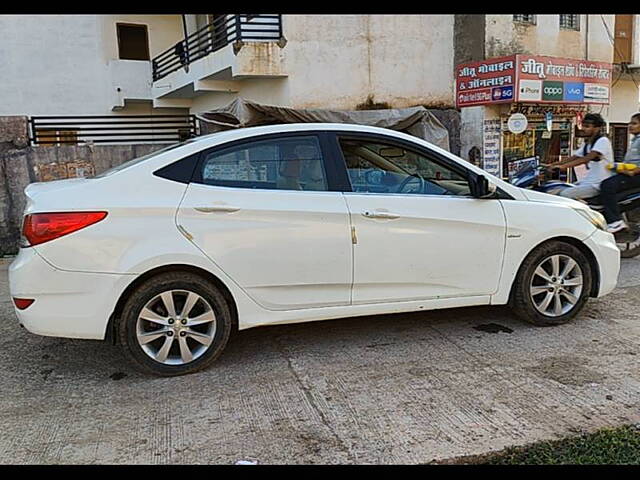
(570, 22)
(531, 19)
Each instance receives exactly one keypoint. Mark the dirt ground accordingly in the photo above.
(391, 389)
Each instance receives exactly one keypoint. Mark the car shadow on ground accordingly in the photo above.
(48, 356)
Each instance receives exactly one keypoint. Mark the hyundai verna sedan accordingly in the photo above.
(170, 253)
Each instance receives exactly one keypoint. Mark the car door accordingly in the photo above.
(420, 234)
(264, 212)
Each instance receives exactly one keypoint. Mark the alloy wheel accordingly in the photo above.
(556, 285)
(176, 327)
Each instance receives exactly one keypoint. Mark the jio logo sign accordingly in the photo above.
(552, 91)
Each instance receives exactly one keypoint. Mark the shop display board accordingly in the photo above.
(491, 141)
(533, 79)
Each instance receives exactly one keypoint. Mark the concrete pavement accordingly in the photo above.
(392, 389)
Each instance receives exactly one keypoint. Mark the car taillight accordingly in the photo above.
(22, 303)
(42, 227)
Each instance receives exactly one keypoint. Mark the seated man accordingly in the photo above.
(622, 181)
(596, 153)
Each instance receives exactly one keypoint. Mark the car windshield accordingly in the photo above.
(137, 160)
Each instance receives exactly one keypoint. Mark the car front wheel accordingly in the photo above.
(175, 323)
(553, 284)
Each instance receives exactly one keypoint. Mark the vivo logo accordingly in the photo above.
(574, 91)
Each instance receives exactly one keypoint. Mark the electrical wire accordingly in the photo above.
(617, 79)
(611, 39)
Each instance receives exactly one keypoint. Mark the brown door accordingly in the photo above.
(619, 140)
(623, 39)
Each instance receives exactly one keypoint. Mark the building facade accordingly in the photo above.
(598, 53)
(72, 64)
(118, 65)
(108, 64)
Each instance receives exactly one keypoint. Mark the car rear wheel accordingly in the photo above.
(553, 284)
(175, 323)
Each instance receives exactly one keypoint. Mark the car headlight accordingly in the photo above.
(594, 217)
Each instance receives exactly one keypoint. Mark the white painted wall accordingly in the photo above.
(337, 61)
(60, 64)
(624, 102)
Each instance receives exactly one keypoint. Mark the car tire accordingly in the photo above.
(145, 316)
(531, 291)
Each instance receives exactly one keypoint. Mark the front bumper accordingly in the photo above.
(67, 304)
(607, 254)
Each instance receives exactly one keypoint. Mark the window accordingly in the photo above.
(530, 19)
(293, 163)
(133, 42)
(376, 167)
(570, 22)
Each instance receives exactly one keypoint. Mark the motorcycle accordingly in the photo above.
(628, 241)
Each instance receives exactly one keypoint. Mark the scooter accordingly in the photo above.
(628, 241)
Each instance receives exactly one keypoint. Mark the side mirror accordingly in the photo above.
(481, 187)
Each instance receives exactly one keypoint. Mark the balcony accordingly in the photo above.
(216, 57)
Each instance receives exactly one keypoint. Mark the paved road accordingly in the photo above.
(390, 389)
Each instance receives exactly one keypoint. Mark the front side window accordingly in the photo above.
(376, 167)
(293, 163)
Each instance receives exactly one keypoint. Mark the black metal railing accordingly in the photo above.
(81, 129)
(212, 37)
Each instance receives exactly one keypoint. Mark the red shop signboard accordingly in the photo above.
(533, 79)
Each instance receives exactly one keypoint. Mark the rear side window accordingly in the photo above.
(180, 171)
(284, 163)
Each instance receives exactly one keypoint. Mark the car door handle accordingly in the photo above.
(379, 214)
(217, 208)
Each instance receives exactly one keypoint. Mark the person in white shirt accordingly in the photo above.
(595, 153)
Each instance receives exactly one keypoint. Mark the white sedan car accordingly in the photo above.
(168, 254)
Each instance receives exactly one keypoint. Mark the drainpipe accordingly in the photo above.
(184, 25)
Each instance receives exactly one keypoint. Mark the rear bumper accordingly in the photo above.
(607, 254)
(67, 304)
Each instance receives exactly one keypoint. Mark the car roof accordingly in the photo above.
(247, 132)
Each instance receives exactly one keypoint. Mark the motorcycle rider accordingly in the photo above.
(595, 153)
(622, 181)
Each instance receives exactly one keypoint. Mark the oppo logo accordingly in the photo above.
(553, 91)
